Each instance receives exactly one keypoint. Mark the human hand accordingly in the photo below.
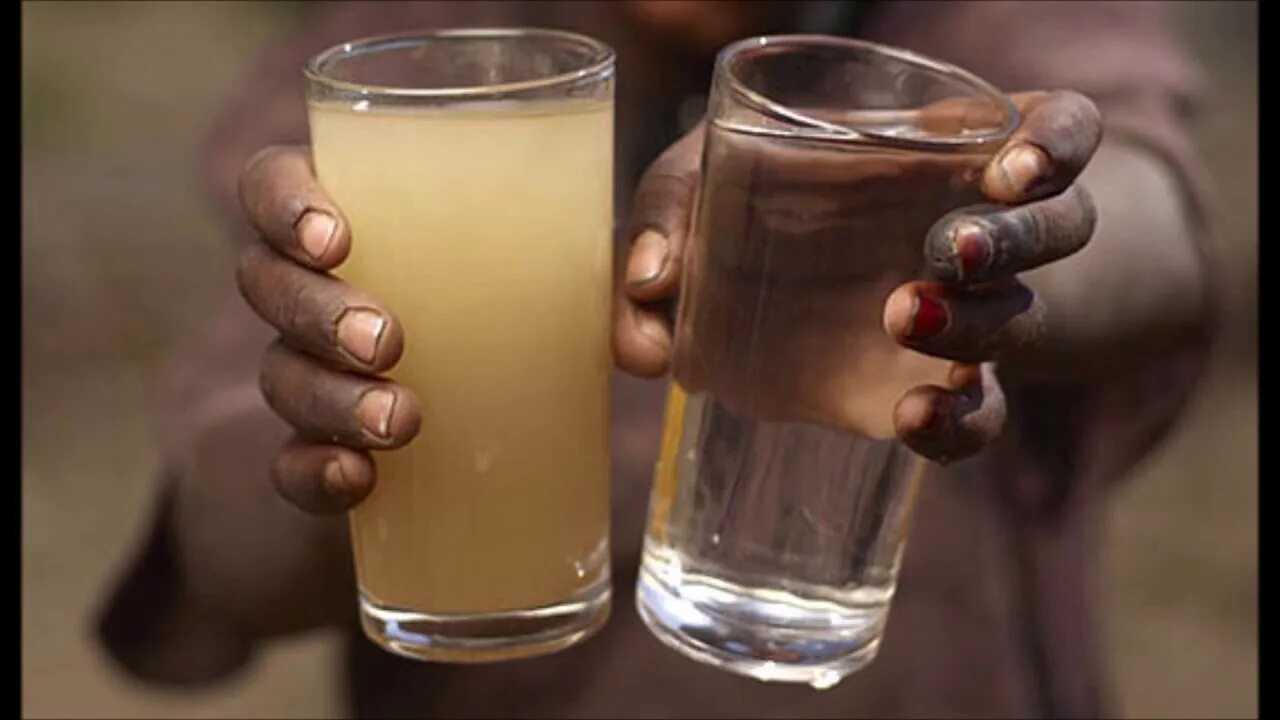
(971, 310)
(322, 375)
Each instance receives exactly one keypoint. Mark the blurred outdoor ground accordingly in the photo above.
(120, 253)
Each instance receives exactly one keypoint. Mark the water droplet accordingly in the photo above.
(715, 539)
(577, 568)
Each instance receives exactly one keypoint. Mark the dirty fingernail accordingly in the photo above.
(334, 480)
(648, 257)
(374, 411)
(315, 232)
(936, 420)
(1025, 167)
(929, 317)
(971, 250)
(359, 331)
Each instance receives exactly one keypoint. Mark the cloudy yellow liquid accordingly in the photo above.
(487, 231)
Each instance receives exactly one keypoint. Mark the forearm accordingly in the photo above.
(1137, 292)
(244, 552)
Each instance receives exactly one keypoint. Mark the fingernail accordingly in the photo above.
(315, 231)
(374, 411)
(648, 257)
(359, 331)
(971, 249)
(334, 481)
(928, 318)
(938, 416)
(1025, 167)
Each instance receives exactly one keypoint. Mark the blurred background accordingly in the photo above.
(121, 251)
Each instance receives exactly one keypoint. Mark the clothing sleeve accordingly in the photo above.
(1127, 59)
(149, 624)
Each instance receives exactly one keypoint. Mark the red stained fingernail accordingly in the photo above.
(928, 318)
(971, 248)
(937, 420)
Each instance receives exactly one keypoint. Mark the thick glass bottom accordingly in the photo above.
(765, 635)
(486, 637)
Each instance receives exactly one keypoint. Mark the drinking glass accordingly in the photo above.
(781, 500)
(476, 170)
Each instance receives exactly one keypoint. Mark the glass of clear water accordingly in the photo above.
(781, 500)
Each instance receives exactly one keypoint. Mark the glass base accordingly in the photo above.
(740, 631)
(487, 637)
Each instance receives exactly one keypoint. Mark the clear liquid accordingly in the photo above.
(782, 500)
(487, 231)
(772, 548)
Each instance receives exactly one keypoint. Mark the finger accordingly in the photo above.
(1055, 140)
(968, 325)
(659, 221)
(963, 115)
(641, 339)
(284, 202)
(981, 244)
(322, 479)
(948, 425)
(319, 314)
(327, 405)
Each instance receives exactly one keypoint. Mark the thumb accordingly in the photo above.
(657, 228)
(659, 220)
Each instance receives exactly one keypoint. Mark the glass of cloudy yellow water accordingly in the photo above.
(475, 168)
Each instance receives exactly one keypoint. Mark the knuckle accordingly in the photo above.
(259, 188)
(269, 373)
(261, 158)
(314, 402)
(293, 304)
(661, 189)
(253, 171)
(251, 262)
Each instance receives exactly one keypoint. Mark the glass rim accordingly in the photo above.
(598, 65)
(834, 132)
